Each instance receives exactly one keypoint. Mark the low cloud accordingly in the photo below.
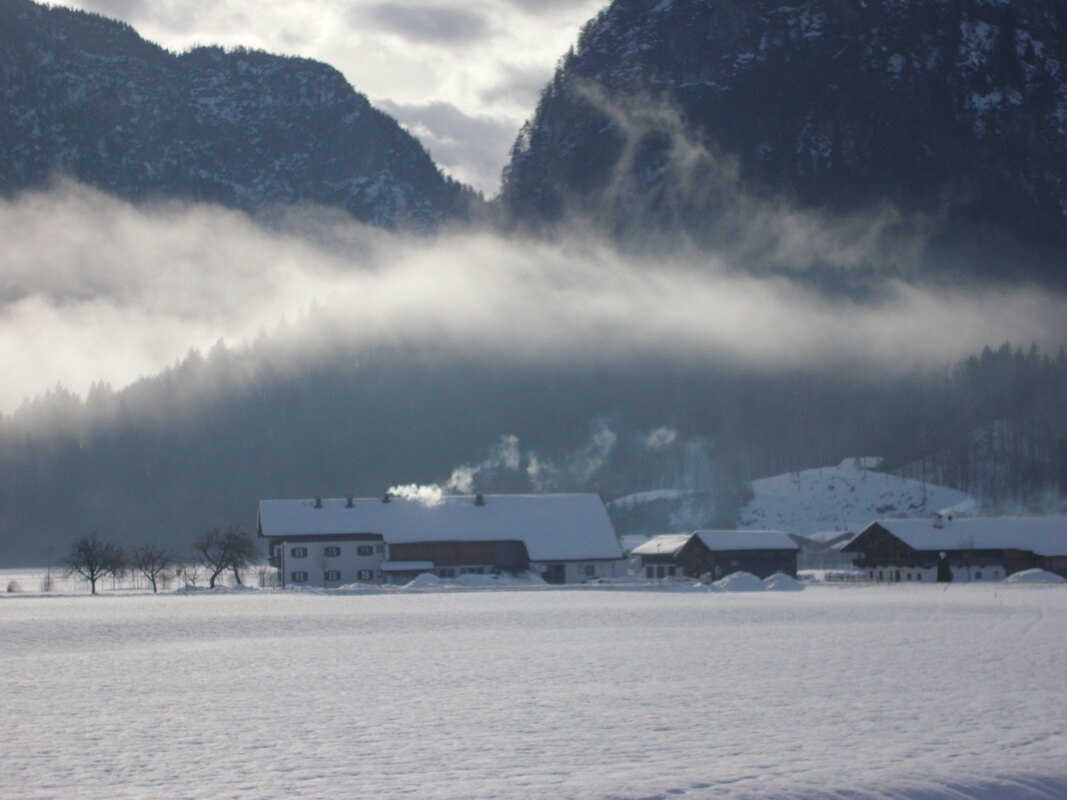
(95, 289)
(423, 22)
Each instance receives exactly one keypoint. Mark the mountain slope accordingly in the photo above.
(86, 96)
(955, 110)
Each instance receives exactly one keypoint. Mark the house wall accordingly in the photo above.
(761, 563)
(504, 555)
(695, 560)
(1057, 564)
(658, 570)
(582, 571)
(350, 564)
(974, 573)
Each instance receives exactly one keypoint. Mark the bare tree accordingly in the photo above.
(153, 561)
(190, 574)
(222, 549)
(242, 551)
(94, 559)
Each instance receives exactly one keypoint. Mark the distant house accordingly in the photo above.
(946, 549)
(718, 553)
(567, 538)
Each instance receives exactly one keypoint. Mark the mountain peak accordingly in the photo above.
(88, 97)
(953, 110)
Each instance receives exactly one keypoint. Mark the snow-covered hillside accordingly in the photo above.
(845, 497)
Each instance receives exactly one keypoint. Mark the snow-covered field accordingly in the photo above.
(917, 692)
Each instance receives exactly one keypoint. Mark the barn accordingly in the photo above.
(946, 549)
(566, 538)
(718, 553)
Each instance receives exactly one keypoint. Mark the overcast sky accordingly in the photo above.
(463, 77)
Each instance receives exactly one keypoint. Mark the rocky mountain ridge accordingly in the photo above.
(955, 110)
(87, 97)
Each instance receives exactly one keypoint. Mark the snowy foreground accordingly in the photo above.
(918, 692)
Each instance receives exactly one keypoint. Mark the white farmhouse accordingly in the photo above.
(566, 538)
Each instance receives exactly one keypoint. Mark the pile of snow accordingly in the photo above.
(846, 497)
(426, 580)
(740, 582)
(1034, 576)
(219, 588)
(780, 582)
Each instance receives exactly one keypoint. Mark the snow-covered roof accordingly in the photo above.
(1043, 536)
(829, 537)
(554, 527)
(670, 544)
(667, 544)
(747, 540)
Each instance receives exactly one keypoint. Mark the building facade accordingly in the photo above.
(944, 549)
(718, 554)
(565, 538)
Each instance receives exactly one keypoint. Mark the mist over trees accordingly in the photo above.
(197, 447)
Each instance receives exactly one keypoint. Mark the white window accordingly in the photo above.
(446, 572)
(589, 571)
(365, 550)
(365, 575)
(299, 577)
(333, 575)
(331, 551)
(298, 552)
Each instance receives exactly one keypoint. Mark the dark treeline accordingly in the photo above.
(197, 447)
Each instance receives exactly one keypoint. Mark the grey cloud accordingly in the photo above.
(470, 148)
(541, 7)
(118, 9)
(436, 24)
(518, 86)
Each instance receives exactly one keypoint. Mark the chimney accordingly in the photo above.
(387, 497)
(318, 502)
(479, 499)
(348, 502)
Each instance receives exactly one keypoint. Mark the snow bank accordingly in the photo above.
(740, 582)
(426, 580)
(219, 589)
(780, 582)
(1034, 576)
